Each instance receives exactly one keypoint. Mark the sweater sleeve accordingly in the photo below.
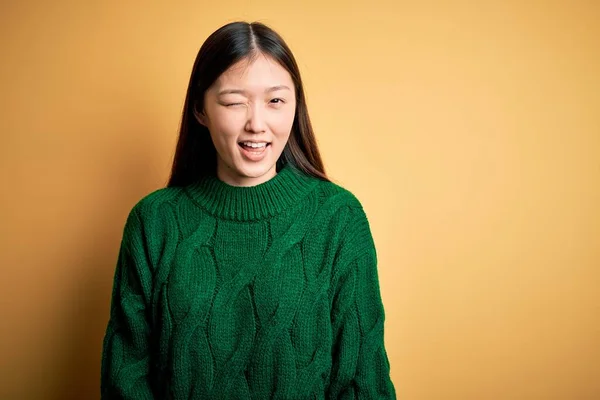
(360, 368)
(125, 353)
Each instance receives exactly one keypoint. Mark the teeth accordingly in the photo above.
(255, 145)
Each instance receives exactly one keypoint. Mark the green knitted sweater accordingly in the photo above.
(262, 292)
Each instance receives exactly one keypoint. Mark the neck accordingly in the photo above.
(248, 203)
(232, 178)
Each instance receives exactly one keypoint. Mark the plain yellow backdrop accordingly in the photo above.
(470, 131)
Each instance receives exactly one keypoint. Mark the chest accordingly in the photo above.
(240, 271)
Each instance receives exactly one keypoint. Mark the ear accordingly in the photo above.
(200, 116)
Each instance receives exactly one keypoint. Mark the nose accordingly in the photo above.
(256, 119)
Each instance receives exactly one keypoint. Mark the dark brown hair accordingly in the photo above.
(195, 154)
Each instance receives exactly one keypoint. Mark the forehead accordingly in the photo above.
(258, 72)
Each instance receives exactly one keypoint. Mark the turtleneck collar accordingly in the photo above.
(247, 203)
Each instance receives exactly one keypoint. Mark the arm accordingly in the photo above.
(126, 347)
(360, 369)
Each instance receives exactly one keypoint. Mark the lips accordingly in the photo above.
(254, 154)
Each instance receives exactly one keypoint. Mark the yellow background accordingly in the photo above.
(469, 130)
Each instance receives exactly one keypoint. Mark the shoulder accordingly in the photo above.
(340, 196)
(342, 210)
(152, 218)
(154, 204)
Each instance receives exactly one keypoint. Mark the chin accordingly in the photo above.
(255, 171)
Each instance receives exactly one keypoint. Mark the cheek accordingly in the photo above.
(282, 124)
(227, 126)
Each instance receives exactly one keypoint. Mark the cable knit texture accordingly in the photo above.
(262, 292)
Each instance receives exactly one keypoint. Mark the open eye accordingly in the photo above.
(277, 101)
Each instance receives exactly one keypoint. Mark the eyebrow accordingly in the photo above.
(240, 91)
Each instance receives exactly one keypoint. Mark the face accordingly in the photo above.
(249, 112)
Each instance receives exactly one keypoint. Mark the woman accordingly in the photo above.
(251, 275)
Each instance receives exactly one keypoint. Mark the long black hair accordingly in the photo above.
(195, 154)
